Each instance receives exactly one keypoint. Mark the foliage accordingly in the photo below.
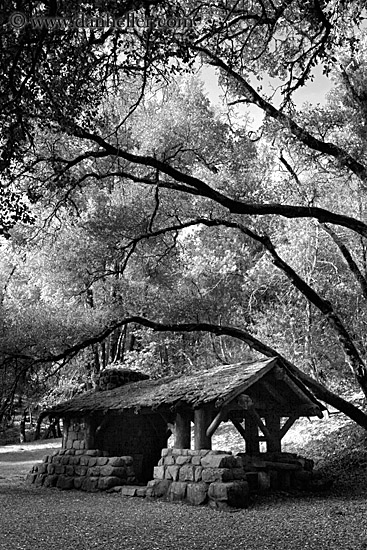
(149, 204)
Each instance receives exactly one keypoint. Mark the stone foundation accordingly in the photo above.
(221, 479)
(216, 478)
(90, 470)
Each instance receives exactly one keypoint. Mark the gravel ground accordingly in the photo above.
(49, 519)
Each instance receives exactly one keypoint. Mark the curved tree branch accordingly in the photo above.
(318, 389)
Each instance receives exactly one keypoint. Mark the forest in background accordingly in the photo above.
(144, 228)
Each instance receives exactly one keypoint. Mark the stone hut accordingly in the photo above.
(261, 399)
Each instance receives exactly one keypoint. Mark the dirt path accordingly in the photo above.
(17, 460)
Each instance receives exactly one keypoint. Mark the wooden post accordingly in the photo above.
(252, 435)
(182, 431)
(273, 424)
(202, 419)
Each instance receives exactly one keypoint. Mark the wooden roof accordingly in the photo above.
(219, 385)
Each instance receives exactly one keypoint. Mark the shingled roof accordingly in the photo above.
(218, 385)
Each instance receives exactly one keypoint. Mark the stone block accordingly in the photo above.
(31, 478)
(81, 470)
(79, 452)
(141, 492)
(92, 461)
(128, 460)
(196, 460)
(177, 491)
(69, 443)
(105, 483)
(102, 461)
(118, 461)
(210, 475)
(95, 471)
(181, 460)
(158, 472)
(50, 481)
(234, 493)
(56, 459)
(128, 491)
(90, 484)
(193, 452)
(59, 469)
(77, 444)
(172, 472)
(158, 488)
(263, 481)
(130, 472)
(115, 489)
(78, 481)
(69, 470)
(91, 452)
(65, 483)
(113, 471)
(74, 460)
(65, 460)
(42, 469)
(70, 452)
(218, 461)
(180, 452)
(187, 473)
(166, 452)
(220, 452)
(168, 460)
(197, 493)
(84, 460)
(198, 473)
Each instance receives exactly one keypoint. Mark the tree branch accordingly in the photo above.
(360, 278)
(318, 389)
(340, 154)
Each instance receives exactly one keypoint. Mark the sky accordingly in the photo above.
(314, 92)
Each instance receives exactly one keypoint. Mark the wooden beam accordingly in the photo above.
(269, 437)
(202, 419)
(250, 382)
(219, 418)
(289, 423)
(182, 431)
(252, 434)
(273, 425)
(239, 427)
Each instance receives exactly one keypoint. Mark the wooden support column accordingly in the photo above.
(182, 430)
(273, 444)
(202, 420)
(251, 435)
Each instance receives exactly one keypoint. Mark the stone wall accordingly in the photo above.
(74, 434)
(137, 435)
(221, 479)
(90, 470)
